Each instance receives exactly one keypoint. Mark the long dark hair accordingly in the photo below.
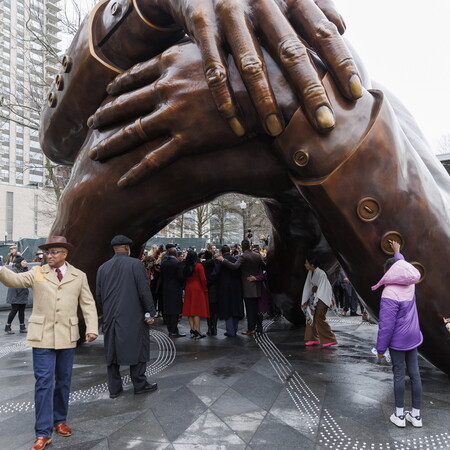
(18, 264)
(189, 263)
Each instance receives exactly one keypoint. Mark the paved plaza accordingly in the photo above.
(263, 392)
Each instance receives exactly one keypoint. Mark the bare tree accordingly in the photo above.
(443, 145)
(223, 219)
(201, 217)
(22, 103)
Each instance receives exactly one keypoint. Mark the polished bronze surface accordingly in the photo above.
(159, 145)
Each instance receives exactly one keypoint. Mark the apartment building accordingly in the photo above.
(29, 38)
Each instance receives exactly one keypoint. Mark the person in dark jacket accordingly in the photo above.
(125, 296)
(229, 294)
(211, 271)
(400, 332)
(17, 298)
(250, 263)
(172, 282)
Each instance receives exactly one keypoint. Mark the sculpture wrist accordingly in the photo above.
(124, 21)
(311, 156)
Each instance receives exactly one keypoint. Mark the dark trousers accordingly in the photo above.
(53, 374)
(231, 325)
(259, 322)
(339, 295)
(410, 361)
(14, 309)
(351, 301)
(171, 322)
(137, 374)
(251, 308)
(213, 318)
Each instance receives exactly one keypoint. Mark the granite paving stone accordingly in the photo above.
(243, 393)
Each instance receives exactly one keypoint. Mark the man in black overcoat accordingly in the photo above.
(125, 296)
(250, 263)
(229, 294)
(172, 290)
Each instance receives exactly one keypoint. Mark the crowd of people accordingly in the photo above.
(174, 283)
(210, 284)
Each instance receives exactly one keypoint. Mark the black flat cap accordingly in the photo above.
(170, 246)
(120, 239)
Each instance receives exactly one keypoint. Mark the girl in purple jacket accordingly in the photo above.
(400, 332)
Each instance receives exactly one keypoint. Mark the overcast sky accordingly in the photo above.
(405, 45)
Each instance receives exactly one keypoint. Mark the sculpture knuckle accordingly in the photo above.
(325, 30)
(129, 132)
(216, 76)
(227, 7)
(199, 19)
(292, 51)
(226, 107)
(251, 65)
(313, 91)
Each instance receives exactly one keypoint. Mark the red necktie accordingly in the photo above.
(59, 274)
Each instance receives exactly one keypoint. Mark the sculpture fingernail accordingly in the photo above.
(93, 154)
(325, 118)
(90, 122)
(122, 183)
(109, 89)
(355, 86)
(236, 126)
(274, 125)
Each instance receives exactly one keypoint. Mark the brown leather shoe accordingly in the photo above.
(248, 332)
(63, 430)
(41, 442)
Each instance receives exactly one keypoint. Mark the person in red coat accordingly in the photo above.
(195, 293)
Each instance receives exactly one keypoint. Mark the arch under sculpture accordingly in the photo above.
(341, 193)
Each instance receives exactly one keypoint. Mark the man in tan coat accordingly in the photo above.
(58, 290)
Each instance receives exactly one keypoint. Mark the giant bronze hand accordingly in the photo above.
(174, 117)
(118, 34)
(239, 25)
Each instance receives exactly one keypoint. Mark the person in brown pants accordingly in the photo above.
(319, 293)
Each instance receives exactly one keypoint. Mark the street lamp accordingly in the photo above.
(6, 237)
(243, 206)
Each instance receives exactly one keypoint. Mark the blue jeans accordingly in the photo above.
(232, 325)
(400, 361)
(53, 374)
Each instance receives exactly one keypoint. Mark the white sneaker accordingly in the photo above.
(398, 420)
(416, 421)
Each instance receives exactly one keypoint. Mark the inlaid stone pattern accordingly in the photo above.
(263, 392)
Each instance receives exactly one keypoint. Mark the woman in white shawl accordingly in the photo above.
(318, 296)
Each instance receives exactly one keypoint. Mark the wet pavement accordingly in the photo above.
(264, 392)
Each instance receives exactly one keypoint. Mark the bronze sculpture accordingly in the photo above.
(357, 178)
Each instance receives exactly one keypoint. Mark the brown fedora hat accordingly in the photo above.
(56, 241)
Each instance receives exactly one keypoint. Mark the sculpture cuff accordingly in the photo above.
(167, 29)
